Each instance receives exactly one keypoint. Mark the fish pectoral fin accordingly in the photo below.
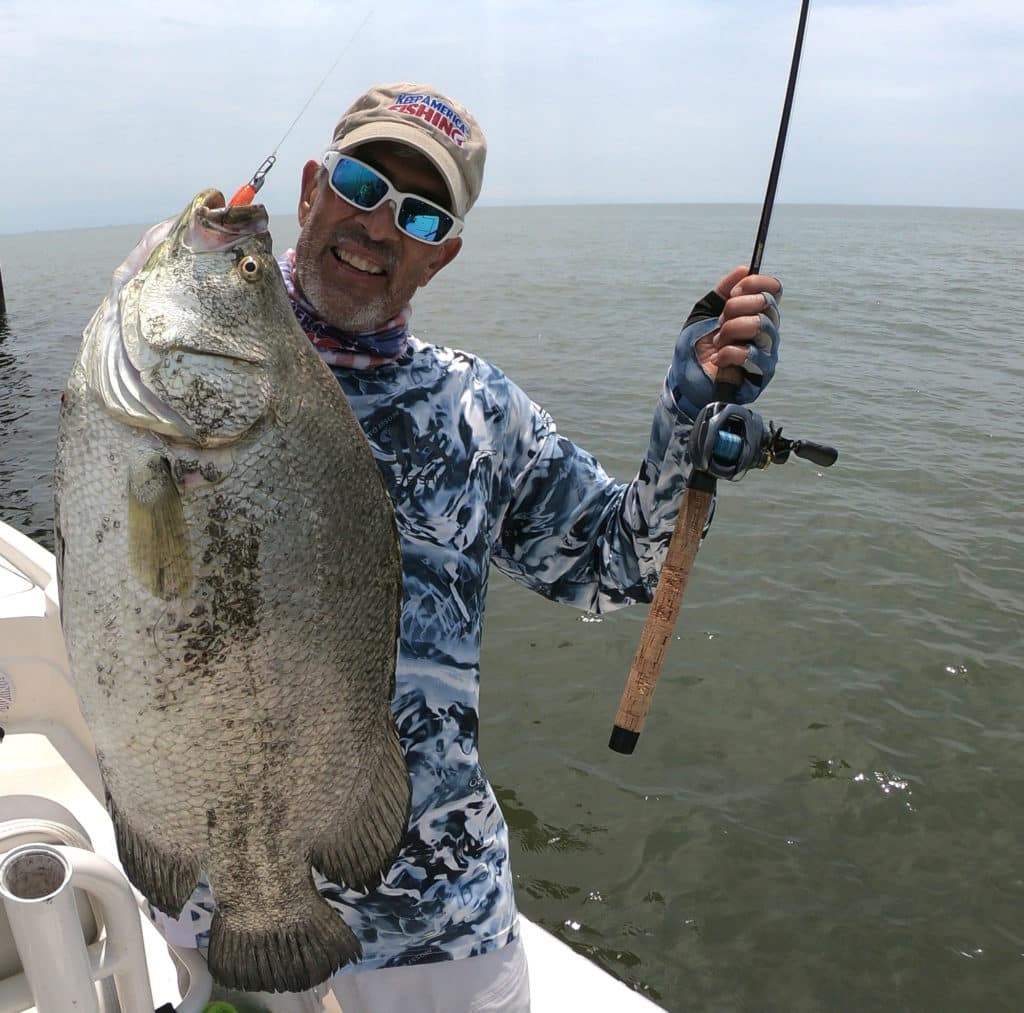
(158, 542)
(368, 841)
(164, 878)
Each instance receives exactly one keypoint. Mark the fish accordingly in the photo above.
(230, 583)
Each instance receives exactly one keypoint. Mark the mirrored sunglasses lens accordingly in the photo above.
(424, 221)
(358, 184)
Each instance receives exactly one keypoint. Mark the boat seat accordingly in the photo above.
(32, 819)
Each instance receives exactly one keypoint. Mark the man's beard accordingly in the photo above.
(332, 304)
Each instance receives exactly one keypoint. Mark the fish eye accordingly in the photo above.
(250, 268)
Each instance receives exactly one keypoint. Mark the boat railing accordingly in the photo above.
(37, 886)
(62, 950)
(38, 883)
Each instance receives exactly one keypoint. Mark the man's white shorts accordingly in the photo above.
(497, 982)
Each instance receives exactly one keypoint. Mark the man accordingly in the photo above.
(478, 475)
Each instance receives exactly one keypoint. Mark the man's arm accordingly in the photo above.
(571, 532)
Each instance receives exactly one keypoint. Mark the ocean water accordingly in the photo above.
(826, 808)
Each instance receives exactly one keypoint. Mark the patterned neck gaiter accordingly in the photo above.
(346, 348)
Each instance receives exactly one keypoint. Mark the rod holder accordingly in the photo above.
(37, 884)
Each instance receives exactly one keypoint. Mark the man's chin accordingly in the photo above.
(336, 307)
(361, 319)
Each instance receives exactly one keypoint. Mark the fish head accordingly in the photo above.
(197, 339)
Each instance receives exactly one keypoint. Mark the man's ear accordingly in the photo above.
(310, 186)
(446, 253)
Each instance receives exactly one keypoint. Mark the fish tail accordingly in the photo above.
(289, 957)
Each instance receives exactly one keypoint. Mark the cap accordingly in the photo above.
(421, 117)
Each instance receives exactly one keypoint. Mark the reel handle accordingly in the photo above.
(817, 453)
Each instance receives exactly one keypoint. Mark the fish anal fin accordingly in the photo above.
(292, 956)
(158, 542)
(367, 844)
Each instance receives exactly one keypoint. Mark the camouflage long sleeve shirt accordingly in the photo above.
(479, 474)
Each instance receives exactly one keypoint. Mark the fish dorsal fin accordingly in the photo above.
(158, 542)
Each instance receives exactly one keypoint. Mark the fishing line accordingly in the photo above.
(248, 191)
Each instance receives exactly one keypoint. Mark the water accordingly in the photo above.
(825, 808)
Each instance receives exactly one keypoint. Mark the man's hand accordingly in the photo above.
(748, 324)
(736, 324)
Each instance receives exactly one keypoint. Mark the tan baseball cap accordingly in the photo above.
(435, 125)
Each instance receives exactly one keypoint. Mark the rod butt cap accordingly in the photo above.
(623, 740)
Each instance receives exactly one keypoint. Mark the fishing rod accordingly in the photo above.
(726, 440)
(246, 193)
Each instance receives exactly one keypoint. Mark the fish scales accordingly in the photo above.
(230, 586)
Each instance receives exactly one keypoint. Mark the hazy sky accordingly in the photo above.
(116, 113)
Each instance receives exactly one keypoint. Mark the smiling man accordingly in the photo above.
(479, 475)
(365, 246)
(350, 268)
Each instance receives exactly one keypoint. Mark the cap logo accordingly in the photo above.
(435, 113)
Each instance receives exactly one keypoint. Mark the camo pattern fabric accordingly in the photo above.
(479, 475)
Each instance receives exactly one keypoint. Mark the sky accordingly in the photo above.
(117, 113)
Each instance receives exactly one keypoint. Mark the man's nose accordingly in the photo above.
(380, 222)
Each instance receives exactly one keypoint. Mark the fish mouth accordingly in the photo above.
(214, 226)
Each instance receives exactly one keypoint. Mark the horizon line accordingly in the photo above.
(524, 205)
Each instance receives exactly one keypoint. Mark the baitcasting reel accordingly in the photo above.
(727, 440)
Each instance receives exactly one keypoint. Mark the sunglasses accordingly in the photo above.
(365, 188)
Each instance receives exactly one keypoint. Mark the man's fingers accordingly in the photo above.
(731, 280)
(731, 355)
(753, 283)
(738, 330)
(752, 356)
(744, 306)
(745, 316)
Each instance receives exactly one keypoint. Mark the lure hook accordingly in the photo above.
(247, 192)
